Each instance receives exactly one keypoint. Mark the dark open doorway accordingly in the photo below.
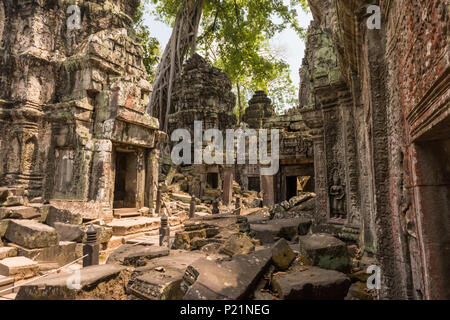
(254, 184)
(125, 181)
(291, 187)
(212, 180)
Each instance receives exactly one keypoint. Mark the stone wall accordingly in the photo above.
(203, 93)
(377, 104)
(69, 98)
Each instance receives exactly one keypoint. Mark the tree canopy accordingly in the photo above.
(235, 36)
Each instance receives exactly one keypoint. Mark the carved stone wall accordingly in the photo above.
(387, 91)
(69, 98)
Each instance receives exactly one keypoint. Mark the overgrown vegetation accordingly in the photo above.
(235, 36)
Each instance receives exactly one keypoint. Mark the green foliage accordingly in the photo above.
(150, 45)
(235, 36)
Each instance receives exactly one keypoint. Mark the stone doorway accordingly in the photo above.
(298, 184)
(125, 188)
(254, 184)
(212, 180)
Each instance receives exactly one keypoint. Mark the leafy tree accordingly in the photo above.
(150, 45)
(235, 35)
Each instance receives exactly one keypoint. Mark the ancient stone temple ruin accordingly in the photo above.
(88, 185)
(296, 171)
(376, 101)
(203, 94)
(72, 107)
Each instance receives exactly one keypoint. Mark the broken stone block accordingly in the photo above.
(69, 232)
(237, 244)
(19, 213)
(212, 248)
(104, 234)
(62, 253)
(64, 216)
(311, 284)
(161, 278)
(295, 201)
(325, 251)
(93, 279)
(309, 205)
(282, 255)
(181, 197)
(13, 201)
(158, 285)
(136, 255)
(133, 226)
(19, 268)
(31, 234)
(207, 279)
(7, 252)
(183, 240)
(358, 291)
(283, 228)
(3, 227)
(6, 283)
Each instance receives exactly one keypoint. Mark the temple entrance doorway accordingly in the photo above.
(125, 180)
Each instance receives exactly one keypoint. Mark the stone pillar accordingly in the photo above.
(140, 179)
(238, 210)
(164, 231)
(91, 248)
(268, 190)
(152, 176)
(227, 186)
(158, 201)
(102, 180)
(314, 120)
(192, 208)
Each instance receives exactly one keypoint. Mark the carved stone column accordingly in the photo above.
(227, 185)
(314, 120)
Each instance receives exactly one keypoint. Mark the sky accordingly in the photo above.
(288, 40)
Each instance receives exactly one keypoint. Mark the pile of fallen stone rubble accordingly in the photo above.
(264, 254)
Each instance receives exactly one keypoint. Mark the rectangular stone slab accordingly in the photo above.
(5, 283)
(227, 280)
(31, 234)
(137, 225)
(54, 287)
(62, 253)
(311, 284)
(7, 252)
(19, 268)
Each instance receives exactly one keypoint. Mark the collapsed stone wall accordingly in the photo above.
(386, 92)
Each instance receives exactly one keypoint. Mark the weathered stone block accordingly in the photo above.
(19, 268)
(136, 255)
(7, 252)
(62, 253)
(282, 255)
(325, 251)
(54, 287)
(283, 228)
(225, 280)
(31, 234)
(19, 213)
(63, 216)
(237, 244)
(69, 232)
(311, 284)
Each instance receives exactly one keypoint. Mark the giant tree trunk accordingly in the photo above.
(182, 40)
